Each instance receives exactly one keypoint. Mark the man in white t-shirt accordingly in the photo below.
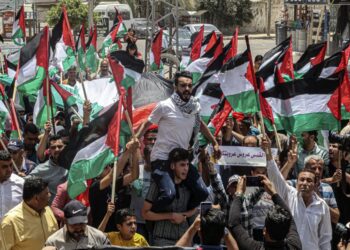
(178, 121)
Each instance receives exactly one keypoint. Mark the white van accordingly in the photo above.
(106, 10)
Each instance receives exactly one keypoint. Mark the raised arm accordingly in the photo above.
(283, 189)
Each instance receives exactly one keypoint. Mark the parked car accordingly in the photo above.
(208, 28)
(140, 27)
(184, 39)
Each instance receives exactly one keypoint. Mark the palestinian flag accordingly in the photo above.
(108, 45)
(208, 89)
(81, 47)
(156, 50)
(4, 112)
(314, 54)
(91, 53)
(237, 81)
(94, 147)
(284, 65)
(197, 45)
(33, 64)
(306, 104)
(68, 98)
(265, 108)
(231, 48)
(198, 67)
(96, 89)
(209, 99)
(62, 43)
(219, 116)
(132, 67)
(19, 28)
(208, 42)
(10, 73)
(267, 68)
(44, 107)
(141, 114)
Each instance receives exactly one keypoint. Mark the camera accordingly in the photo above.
(343, 231)
(343, 140)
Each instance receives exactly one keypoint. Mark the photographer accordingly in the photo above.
(280, 231)
(344, 233)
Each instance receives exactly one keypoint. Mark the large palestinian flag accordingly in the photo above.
(133, 67)
(33, 64)
(306, 104)
(156, 50)
(19, 28)
(95, 147)
(238, 84)
(62, 43)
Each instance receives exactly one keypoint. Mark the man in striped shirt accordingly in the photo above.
(170, 222)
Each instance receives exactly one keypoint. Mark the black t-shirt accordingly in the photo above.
(99, 202)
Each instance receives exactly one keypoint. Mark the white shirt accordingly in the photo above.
(10, 194)
(174, 129)
(313, 222)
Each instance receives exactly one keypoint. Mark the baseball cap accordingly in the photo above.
(75, 212)
(234, 178)
(15, 144)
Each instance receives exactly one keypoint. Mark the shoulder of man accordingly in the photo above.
(57, 236)
(98, 235)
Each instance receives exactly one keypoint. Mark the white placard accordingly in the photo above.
(242, 156)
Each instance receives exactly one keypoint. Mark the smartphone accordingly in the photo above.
(254, 181)
(205, 206)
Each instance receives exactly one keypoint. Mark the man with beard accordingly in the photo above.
(50, 171)
(76, 234)
(310, 212)
(309, 147)
(30, 139)
(178, 121)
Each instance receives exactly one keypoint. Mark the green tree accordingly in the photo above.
(77, 13)
(228, 12)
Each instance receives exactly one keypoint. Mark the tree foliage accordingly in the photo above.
(77, 13)
(229, 12)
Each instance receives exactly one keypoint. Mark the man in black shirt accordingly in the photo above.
(101, 190)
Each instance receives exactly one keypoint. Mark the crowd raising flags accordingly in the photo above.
(310, 94)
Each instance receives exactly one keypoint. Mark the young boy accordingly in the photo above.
(127, 236)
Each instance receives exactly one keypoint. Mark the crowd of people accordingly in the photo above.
(164, 179)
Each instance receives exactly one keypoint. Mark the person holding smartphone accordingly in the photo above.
(279, 232)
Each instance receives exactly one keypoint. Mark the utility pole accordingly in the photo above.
(91, 12)
(269, 17)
